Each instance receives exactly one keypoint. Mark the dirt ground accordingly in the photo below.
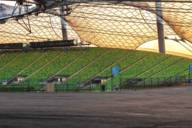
(150, 108)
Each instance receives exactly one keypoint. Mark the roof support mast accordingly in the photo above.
(63, 23)
(160, 27)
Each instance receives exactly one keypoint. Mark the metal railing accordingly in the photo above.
(112, 84)
(138, 83)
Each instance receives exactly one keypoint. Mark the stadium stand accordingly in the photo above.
(85, 65)
(47, 42)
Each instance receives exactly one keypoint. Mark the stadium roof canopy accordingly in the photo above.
(104, 23)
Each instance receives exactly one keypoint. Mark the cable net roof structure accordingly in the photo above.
(115, 23)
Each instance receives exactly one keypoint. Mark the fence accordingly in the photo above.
(111, 84)
(25, 86)
(137, 83)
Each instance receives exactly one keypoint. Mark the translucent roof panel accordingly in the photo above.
(109, 25)
(114, 24)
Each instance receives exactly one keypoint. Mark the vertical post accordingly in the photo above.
(111, 88)
(120, 84)
(63, 23)
(190, 71)
(160, 27)
(144, 82)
